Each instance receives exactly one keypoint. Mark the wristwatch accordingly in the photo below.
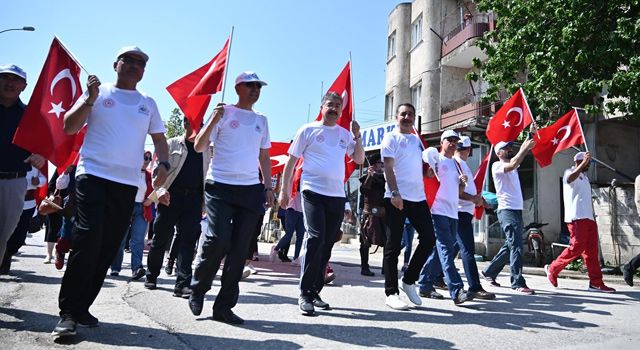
(166, 164)
(395, 194)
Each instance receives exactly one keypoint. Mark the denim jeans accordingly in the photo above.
(136, 243)
(446, 230)
(511, 250)
(465, 241)
(294, 221)
(407, 241)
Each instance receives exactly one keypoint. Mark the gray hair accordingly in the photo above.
(331, 95)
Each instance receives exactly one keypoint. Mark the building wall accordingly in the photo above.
(398, 72)
(454, 85)
(619, 146)
(618, 224)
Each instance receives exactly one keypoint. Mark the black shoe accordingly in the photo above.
(431, 294)
(6, 265)
(183, 292)
(195, 304)
(319, 303)
(139, 273)
(282, 256)
(305, 304)
(461, 297)
(627, 275)
(365, 271)
(86, 320)
(482, 294)
(227, 316)
(169, 268)
(440, 285)
(66, 327)
(150, 283)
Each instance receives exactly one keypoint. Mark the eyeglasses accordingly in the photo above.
(132, 60)
(253, 85)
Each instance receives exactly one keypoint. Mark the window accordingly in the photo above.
(391, 46)
(416, 97)
(416, 31)
(388, 107)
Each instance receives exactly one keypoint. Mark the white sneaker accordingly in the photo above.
(296, 262)
(252, 269)
(410, 291)
(394, 302)
(273, 254)
(246, 272)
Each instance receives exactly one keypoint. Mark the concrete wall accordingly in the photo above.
(454, 86)
(618, 224)
(398, 73)
(618, 145)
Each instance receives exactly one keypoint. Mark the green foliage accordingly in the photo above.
(174, 124)
(565, 53)
(575, 265)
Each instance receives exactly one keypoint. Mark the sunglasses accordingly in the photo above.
(253, 84)
(453, 139)
(147, 158)
(132, 60)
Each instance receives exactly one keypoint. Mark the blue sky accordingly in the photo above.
(293, 45)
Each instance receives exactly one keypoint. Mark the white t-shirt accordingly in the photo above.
(323, 149)
(507, 187)
(577, 197)
(117, 127)
(466, 206)
(237, 140)
(446, 201)
(142, 187)
(406, 150)
(34, 172)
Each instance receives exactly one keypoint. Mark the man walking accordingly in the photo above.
(185, 183)
(323, 144)
(233, 194)
(578, 214)
(118, 118)
(372, 226)
(15, 160)
(510, 205)
(404, 198)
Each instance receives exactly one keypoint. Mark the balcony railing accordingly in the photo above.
(468, 107)
(471, 28)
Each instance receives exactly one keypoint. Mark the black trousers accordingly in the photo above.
(420, 217)
(19, 235)
(233, 212)
(101, 221)
(322, 217)
(634, 263)
(183, 213)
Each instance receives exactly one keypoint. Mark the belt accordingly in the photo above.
(30, 195)
(12, 175)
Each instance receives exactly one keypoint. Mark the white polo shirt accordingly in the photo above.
(466, 206)
(507, 187)
(406, 150)
(577, 197)
(323, 149)
(446, 202)
(237, 140)
(117, 128)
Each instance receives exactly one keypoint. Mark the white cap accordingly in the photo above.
(13, 69)
(449, 133)
(579, 156)
(500, 145)
(134, 50)
(248, 77)
(465, 142)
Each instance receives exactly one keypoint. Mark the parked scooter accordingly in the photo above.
(535, 241)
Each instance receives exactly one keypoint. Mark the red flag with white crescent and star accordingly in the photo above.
(193, 92)
(342, 86)
(279, 156)
(562, 134)
(58, 87)
(510, 119)
(478, 180)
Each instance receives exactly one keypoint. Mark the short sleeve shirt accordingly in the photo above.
(508, 188)
(406, 150)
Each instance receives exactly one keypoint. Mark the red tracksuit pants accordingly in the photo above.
(584, 242)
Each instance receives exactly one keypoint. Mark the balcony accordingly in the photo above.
(457, 50)
(459, 111)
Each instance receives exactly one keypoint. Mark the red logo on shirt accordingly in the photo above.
(234, 124)
(108, 103)
(320, 138)
(403, 145)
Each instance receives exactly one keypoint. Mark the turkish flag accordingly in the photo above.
(341, 86)
(510, 119)
(58, 87)
(478, 180)
(562, 134)
(193, 92)
(279, 156)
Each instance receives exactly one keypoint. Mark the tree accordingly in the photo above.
(174, 124)
(565, 53)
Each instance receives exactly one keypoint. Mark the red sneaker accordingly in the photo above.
(552, 279)
(59, 260)
(525, 290)
(601, 289)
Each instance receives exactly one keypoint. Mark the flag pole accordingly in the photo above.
(353, 105)
(486, 174)
(70, 54)
(582, 131)
(226, 68)
(533, 120)
(606, 165)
